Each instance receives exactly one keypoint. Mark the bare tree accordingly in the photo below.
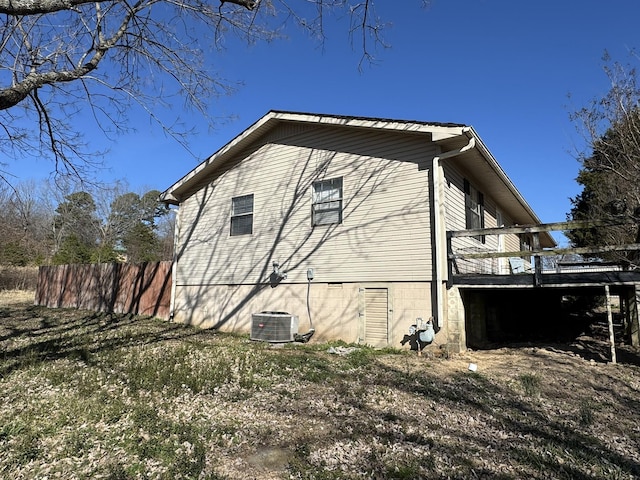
(60, 58)
(610, 164)
(166, 231)
(25, 220)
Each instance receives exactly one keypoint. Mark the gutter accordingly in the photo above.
(439, 228)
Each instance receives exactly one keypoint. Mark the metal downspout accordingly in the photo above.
(174, 265)
(439, 228)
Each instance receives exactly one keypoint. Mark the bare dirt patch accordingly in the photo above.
(89, 395)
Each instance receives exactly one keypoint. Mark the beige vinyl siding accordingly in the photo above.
(385, 233)
(455, 220)
(454, 198)
(512, 243)
(337, 309)
(490, 221)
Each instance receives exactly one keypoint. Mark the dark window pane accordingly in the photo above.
(242, 215)
(242, 225)
(242, 205)
(474, 208)
(327, 216)
(327, 202)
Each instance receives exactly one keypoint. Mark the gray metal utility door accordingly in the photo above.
(376, 307)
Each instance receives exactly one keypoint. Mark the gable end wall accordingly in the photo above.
(384, 237)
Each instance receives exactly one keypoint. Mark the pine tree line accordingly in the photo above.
(42, 224)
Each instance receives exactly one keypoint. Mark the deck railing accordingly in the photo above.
(534, 260)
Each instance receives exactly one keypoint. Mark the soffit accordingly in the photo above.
(482, 170)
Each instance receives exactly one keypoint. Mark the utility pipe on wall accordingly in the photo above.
(439, 228)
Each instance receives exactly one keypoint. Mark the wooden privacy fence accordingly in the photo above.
(143, 289)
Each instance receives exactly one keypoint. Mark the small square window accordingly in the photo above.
(327, 202)
(242, 215)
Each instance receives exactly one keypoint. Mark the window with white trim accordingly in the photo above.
(474, 208)
(242, 215)
(327, 202)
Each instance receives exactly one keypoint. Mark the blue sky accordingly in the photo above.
(506, 67)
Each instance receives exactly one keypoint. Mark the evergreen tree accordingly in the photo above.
(142, 244)
(76, 228)
(14, 253)
(610, 171)
(133, 221)
(73, 250)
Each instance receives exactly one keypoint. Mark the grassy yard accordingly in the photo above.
(90, 395)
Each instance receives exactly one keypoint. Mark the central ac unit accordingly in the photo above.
(276, 327)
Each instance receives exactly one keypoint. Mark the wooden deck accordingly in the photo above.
(494, 298)
(547, 279)
(480, 267)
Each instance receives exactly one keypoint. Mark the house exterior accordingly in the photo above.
(338, 220)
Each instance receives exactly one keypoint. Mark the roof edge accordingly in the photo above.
(437, 129)
(480, 145)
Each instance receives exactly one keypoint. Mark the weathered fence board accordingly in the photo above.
(143, 289)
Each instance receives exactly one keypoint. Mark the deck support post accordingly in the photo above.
(612, 339)
(456, 327)
(537, 270)
(633, 315)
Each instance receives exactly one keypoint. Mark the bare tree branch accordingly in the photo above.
(36, 7)
(248, 4)
(57, 56)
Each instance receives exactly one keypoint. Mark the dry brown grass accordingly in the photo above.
(89, 395)
(16, 297)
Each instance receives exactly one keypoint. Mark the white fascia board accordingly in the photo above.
(168, 197)
(168, 194)
(503, 176)
(445, 133)
(437, 132)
